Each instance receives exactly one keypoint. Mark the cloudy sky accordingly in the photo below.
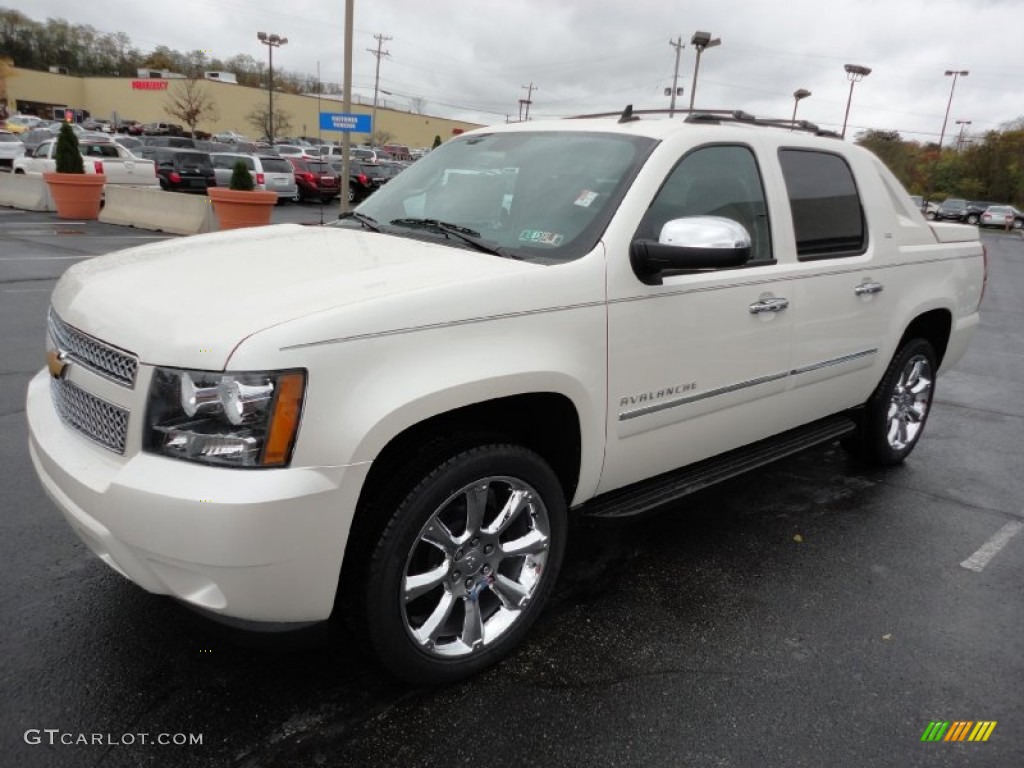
(469, 59)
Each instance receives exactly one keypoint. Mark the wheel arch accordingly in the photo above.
(934, 326)
(547, 423)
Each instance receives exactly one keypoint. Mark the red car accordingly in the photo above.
(315, 178)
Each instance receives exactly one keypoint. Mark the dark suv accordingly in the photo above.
(181, 170)
(952, 209)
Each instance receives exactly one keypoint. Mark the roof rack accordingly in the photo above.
(714, 117)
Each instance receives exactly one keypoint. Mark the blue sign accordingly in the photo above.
(345, 123)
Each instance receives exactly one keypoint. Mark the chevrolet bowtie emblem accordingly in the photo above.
(57, 363)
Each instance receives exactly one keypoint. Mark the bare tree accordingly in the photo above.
(417, 104)
(259, 119)
(189, 101)
(380, 138)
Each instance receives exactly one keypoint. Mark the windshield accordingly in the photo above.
(544, 196)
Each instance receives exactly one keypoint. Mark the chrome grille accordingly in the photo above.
(100, 421)
(114, 363)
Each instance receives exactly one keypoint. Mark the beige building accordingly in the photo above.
(145, 100)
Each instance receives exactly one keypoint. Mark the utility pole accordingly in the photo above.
(527, 101)
(678, 45)
(379, 52)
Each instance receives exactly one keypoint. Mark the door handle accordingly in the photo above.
(867, 288)
(768, 305)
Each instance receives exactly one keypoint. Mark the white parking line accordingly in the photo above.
(990, 548)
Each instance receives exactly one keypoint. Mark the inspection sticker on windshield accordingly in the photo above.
(585, 199)
(543, 238)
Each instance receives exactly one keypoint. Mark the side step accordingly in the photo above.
(649, 494)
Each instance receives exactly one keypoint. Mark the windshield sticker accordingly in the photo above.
(543, 238)
(586, 198)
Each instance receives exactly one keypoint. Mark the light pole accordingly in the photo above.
(960, 139)
(799, 93)
(700, 41)
(954, 73)
(854, 73)
(272, 42)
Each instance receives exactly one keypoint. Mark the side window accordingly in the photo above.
(827, 217)
(714, 181)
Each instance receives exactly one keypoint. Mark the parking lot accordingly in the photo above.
(813, 613)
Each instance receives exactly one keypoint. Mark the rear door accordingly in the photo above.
(840, 306)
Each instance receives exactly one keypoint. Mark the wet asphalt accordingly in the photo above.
(813, 613)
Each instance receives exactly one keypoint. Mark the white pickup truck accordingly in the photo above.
(391, 418)
(107, 157)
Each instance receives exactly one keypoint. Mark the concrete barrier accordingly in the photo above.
(29, 193)
(153, 208)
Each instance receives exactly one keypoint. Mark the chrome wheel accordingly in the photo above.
(908, 406)
(475, 566)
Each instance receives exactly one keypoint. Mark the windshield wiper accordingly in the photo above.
(465, 234)
(368, 222)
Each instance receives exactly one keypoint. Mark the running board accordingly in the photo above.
(649, 494)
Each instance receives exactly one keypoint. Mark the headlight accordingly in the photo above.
(228, 419)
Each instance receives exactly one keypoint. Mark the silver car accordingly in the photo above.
(268, 173)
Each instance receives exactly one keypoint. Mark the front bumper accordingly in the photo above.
(254, 545)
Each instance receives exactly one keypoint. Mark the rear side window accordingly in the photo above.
(275, 165)
(827, 217)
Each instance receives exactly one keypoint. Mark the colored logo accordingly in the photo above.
(57, 363)
(958, 730)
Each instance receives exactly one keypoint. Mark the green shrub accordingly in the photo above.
(67, 156)
(241, 179)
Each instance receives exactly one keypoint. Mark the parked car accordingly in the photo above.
(130, 143)
(999, 215)
(273, 174)
(316, 179)
(22, 123)
(296, 150)
(229, 137)
(118, 164)
(178, 142)
(951, 209)
(162, 129)
(363, 179)
(10, 147)
(182, 170)
(974, 209)
(355, 153)
(392, 419)
(32, 139)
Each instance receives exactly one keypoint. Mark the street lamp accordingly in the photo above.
(272, 42)
(854, 73)
(800, 93)
(954, 73)
(700, 41)
(960, 140)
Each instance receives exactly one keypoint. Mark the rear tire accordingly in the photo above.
(896, 413)
(465, 563)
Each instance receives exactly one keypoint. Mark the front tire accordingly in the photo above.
(895, 415)
(972, 218)
(465, 563)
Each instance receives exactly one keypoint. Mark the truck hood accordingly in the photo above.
(190, 301)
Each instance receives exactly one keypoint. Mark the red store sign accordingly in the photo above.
(149, 85)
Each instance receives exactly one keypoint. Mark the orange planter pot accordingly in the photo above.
(237, 208)
(76, 195)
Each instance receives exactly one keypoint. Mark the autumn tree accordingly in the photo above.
(189, 101)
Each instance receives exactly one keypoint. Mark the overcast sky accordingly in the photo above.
(469, 59)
